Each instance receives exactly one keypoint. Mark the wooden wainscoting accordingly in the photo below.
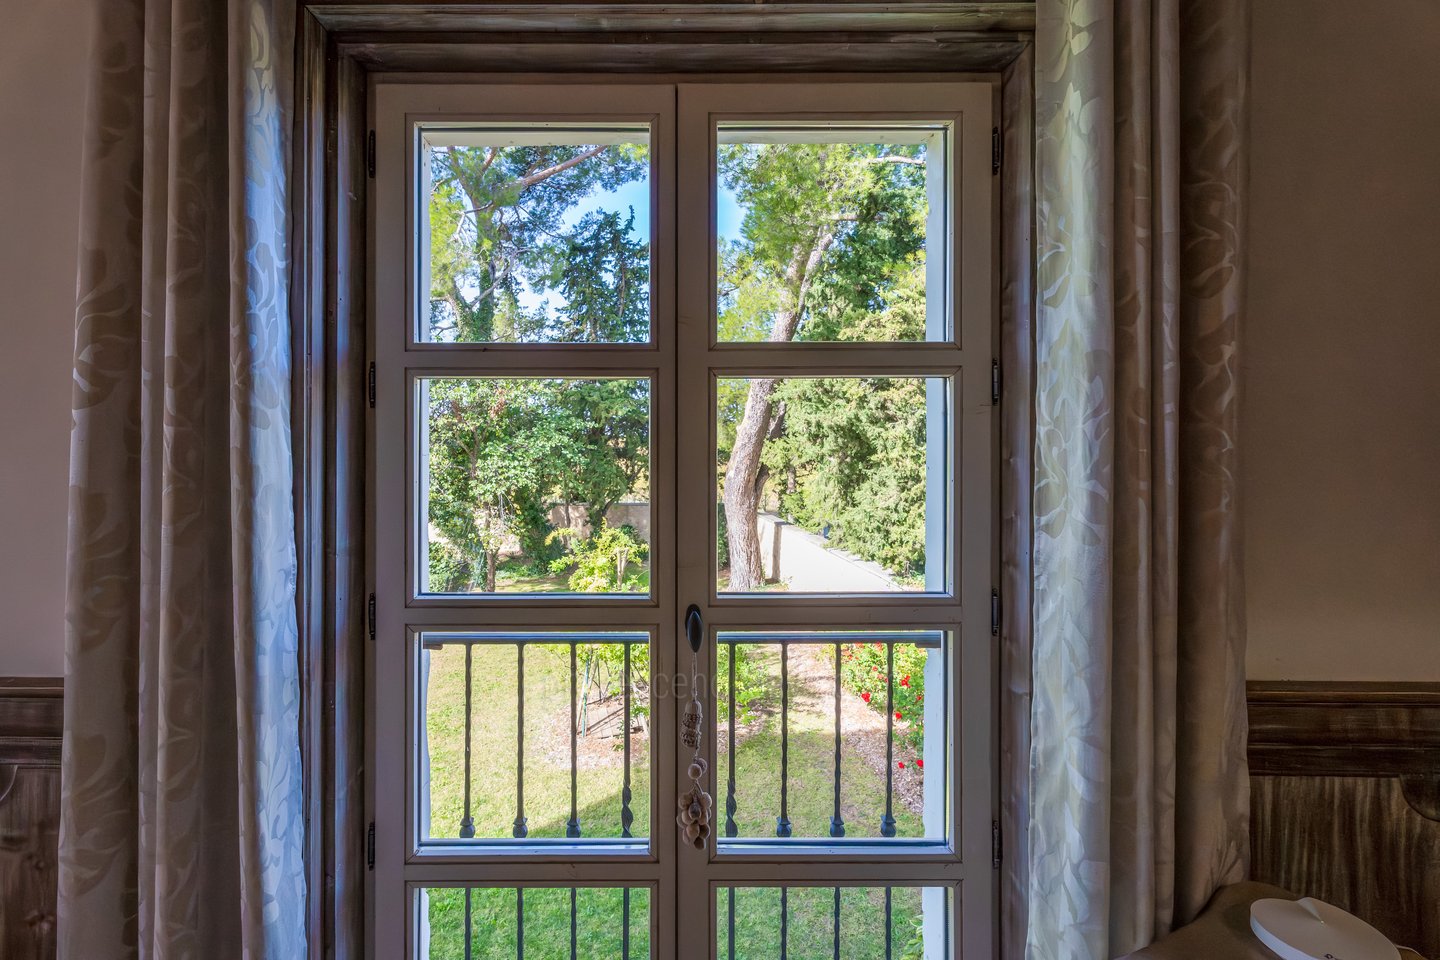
(30, 724)
(1345, 799)
(1345, 805)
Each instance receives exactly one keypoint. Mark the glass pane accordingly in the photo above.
(535, 485)
(805, 764)
(535, 234)
(821, 923)
(534, 737)
(832, 485)
(830, 233)
(491, 923)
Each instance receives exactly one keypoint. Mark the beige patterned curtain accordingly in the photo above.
(182, 827)
(1138, 783)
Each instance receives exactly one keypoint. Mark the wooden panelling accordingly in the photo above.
(609, 16)
(685, 37)
(1345, 802)
(31, 720)
(706, 53)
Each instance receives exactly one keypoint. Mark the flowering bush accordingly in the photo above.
(863, 672)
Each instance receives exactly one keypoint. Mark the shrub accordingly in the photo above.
(449, 572)
(609, 560)
(863, 673)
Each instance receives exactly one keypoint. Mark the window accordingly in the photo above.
(654, 362)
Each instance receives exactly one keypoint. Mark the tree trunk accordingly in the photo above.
(742, 473)
(491, 557)
(742, 492)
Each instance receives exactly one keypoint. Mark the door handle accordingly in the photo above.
(694, 628)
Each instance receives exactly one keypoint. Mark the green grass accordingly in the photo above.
(598, 789)
(516, 576)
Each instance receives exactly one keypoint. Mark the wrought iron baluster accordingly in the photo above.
(784, 923)
(889, 927)
(469, 929)
(521, 826)
(572, 826)
(887, 822)
(730, 894)
(627, 817)
(782, 822)
(731, 830)
(519, 923)
(574, 925)
(837, 823)
(835, 923)
(467, 821)
(625, 923)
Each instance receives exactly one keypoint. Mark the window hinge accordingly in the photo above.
(995, 380)
(996, 851)
(994, 613)
(370, 846)
(994, 152)
(370, 616)
(370, 154)
(371, 384)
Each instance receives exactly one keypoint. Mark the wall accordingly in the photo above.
(1342, 336)
(42, 92)
(1341, 433)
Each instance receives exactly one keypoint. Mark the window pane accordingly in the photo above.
(870, 765)
(535, 486)
(535, 234)
(502, 759)
(832, 485)
(829, 233)
(606, 923)
(820, 923)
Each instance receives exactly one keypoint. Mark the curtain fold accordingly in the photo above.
(1138, 779)
(182, 818)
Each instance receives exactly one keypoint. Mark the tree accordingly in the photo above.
(832, 216)
(520, 251)
(499, 225)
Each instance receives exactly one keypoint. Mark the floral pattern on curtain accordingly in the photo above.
(182, 826)
(1138, 780)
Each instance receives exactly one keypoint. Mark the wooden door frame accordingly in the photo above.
(338, 45)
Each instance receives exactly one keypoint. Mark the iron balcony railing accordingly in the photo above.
(575, 830)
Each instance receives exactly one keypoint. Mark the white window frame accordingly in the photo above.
(683, 350)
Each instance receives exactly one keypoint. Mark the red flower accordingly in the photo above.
(901, 764)
(919, 698)
(874, 669)
(905, 680)
(899, 715)
(879, 645)
(865, 696)
(920, 763)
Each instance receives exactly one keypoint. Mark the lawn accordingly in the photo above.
(599, 781)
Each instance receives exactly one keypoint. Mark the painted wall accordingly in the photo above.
(1342, 336)
(1341, 432)
(42, 92)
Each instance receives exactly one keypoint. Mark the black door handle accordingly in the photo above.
(694, 628)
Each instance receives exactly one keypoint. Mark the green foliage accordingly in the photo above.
(499, 225)
(863, 672)
(850, 219)
(606, 562)
(722, 537)
(503, 451)
(751, 683)
(449, 572)
(854, 448)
